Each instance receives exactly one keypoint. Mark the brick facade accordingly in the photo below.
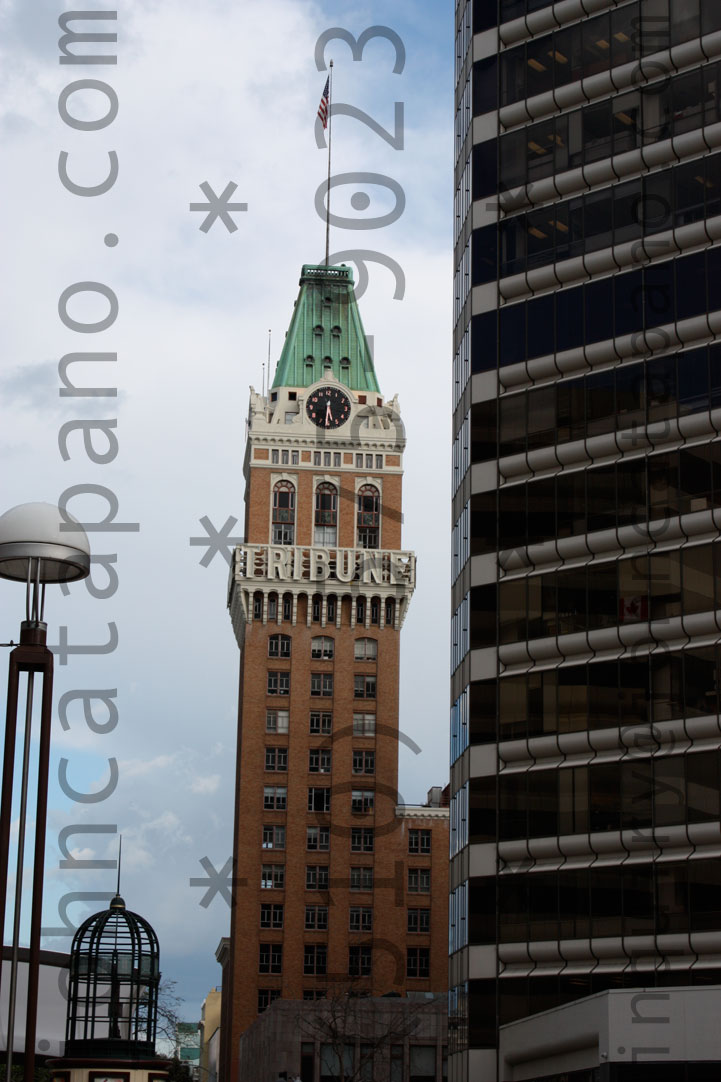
(317, 816)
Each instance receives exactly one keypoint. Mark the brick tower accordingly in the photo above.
(333, 878)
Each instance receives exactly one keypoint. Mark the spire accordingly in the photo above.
(326, 334)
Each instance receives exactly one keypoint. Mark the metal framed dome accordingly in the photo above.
(113, 990)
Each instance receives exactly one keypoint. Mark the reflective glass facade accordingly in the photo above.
(585, 732)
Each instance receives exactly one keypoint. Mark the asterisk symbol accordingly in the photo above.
(217, 541)
(218, 206)
(217, 882)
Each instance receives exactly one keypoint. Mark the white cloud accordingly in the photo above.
(208, 784)
(213, 92)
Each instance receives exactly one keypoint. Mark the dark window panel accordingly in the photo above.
(483, 615)
(483, 523)
(482, 708)
(658, 294)
(685, 20)
(484, 255)
(482, 809)
(512, 347)
(484, 169)
(513, 163)
(690, 286)
(484, 342)
(569, 318)
(485, 86)
(541, 331)
(485, 15)
(483, 430)
(598, 303)
(713, 279)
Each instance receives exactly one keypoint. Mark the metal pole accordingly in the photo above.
(7, 785)
(19, 874)
(330, 130)
(41, 816)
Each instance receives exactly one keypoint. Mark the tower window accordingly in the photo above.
(320, 723)
(321, 684)
(279, 646)
(418, 962)
(326, 513)
(362, 801)
(364, 687)
(359, 961)
(365, 649)
(283, 513)
(321, 648)
(368, 517)
(315, 959)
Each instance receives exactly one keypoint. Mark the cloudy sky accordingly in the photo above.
(222, 91)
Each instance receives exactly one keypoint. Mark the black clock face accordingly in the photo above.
(328, 407)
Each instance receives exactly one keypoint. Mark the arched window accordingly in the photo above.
(326, 514)
(322, 648)
(369, 507)
(283, 513)
(390, 610)
(365, 649)
(287, 606)
(257, 605)
(279, 646)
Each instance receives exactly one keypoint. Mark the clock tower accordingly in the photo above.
(325, 854)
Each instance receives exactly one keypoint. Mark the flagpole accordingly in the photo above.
(330, 128)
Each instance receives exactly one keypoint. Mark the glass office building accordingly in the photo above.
(586, 598)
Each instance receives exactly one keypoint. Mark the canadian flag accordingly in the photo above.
(633, 608)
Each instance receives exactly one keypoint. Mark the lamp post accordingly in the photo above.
(38, 545)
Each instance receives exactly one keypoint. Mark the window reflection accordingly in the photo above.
(601, 695)
(598, 44)
(626, 122)
(622, 304)
(626, 397)
(611, 216)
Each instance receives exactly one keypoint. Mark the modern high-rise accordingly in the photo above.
(585, 728)
(338, 889)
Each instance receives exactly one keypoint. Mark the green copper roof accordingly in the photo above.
(326, 334)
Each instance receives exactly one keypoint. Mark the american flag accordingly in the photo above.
(323, 107)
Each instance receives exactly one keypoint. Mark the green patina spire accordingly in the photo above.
(326, 334)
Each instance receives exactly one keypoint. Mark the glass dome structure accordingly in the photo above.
(113, 990)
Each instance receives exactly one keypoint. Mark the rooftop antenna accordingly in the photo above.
(120, 853)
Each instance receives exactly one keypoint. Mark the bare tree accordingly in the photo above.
(346, 1019)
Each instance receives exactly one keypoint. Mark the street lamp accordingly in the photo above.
(38, 545)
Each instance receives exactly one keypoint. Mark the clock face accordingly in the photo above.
(328, 407)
